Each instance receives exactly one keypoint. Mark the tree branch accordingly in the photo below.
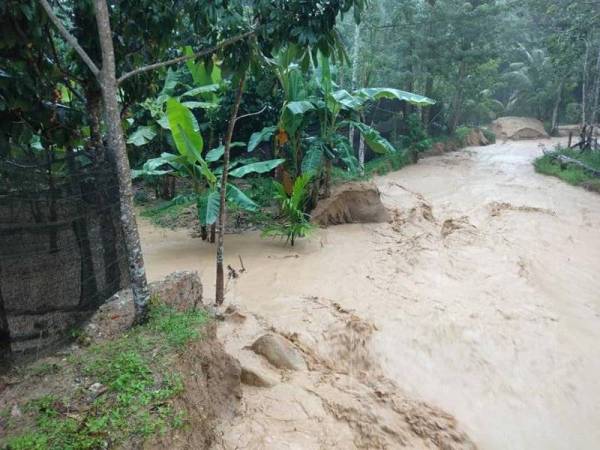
(251, 114)
(183, 58)
(69, 38)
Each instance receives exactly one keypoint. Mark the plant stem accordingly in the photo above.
(220, 284)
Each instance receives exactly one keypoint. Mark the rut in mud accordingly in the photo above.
(479, 297)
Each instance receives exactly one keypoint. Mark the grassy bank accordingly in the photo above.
(572, 174)
(111, 394)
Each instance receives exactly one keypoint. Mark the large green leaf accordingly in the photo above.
(394, 94)
(374, 140)
(208, 207)
(260, 136)
(257, 167)
(198, 71)
(344, 151)
(152, 166)
(347, 100)
(142, 136)
(313, 159)
(181, 121)
(209, 88)
(293, 115)
(203, 105)
(237, 196)
(217, 153)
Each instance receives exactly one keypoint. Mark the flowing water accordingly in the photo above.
(483, 292)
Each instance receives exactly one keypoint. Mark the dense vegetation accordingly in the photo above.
(221, 94)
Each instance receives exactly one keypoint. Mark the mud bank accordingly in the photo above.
(482, 293)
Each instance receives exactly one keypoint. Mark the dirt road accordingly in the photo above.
(484, 292)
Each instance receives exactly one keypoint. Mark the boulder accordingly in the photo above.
(181, 290)
(517, 128)
(279, 352)
(476, 138)
(357, 202)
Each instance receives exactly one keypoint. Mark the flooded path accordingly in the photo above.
(483, 291)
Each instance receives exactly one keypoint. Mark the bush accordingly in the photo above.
(489, 135)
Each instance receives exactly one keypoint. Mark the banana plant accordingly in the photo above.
(334, 109)
(189, 163)
(202, 94)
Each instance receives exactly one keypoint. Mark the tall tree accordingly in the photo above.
(108, 83)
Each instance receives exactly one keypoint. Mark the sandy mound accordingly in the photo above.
(342, 400)
(351, 203)
(516, 128)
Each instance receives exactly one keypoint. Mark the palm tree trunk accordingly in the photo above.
(116, 145)
(220, 284)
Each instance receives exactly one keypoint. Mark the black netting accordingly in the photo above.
(61, 249)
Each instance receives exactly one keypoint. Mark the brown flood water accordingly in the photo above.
(484, 291)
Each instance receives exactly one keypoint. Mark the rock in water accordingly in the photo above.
(358, 202)
(279, 352)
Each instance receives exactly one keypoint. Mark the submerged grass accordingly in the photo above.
(133, 388)
(571, 174)
(167, 213)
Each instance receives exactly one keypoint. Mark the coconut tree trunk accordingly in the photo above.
(220, 284)
(116, 145)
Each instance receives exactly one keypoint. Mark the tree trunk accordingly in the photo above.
(595, 104)
(458, 99)
(5, 351)
(355, 55)
(554, 130)
(584, 84)
(426, 112)
(213, 232)
(361, 150)
(116, 145)
(220, 284)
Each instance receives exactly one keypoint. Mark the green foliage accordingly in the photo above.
(489, 135)
(134, 369)
(294, 222)
(571, 174)
(261, 190)
(462, 133)
(416, 138)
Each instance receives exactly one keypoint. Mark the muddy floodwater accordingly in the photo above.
(483, 292)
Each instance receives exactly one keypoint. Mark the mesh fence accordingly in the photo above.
(61, 249)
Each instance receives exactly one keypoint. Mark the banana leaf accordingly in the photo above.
(260, 136)
(208, 207)
(257, 167)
